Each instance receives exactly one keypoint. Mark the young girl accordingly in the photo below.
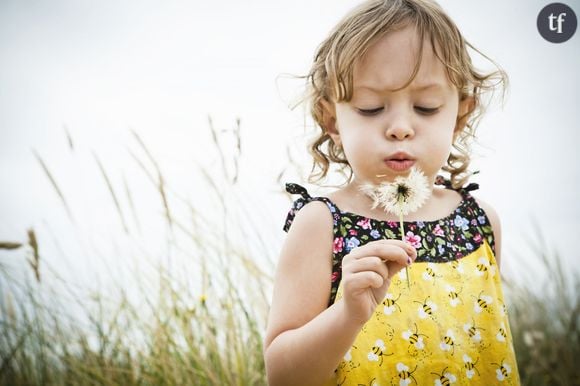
(392, 88)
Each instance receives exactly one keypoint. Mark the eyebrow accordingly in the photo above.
(436, 86)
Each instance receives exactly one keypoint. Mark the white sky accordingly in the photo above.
(101, 68)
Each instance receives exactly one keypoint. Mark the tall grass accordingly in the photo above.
(202, 322)
(545, 318)
(199, 321)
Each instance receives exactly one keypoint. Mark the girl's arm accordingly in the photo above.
(305, 340)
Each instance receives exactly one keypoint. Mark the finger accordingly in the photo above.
(390, 250)
(362, 281)
(369, 263)
(379, 245)
(383, 289)
(379, 293)
(395, 267)
(411, 251)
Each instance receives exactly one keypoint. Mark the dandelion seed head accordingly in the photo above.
(402, 196)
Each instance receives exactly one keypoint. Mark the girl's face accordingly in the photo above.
(383, 132)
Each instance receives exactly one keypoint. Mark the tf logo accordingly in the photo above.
(557, 22)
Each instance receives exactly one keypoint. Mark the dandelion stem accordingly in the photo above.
(401, 227)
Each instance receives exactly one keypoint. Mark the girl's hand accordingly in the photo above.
(367, 273)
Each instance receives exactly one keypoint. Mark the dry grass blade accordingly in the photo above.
(160, 180)
(69, 138)
(210, 179)
(112, 192)
(214, 137)
(54, 184)
(237, 133)
(143, 167)
(7, 358)
(161, 188)
(9, 245)
(35, 261)
(290, 164)
(131, 204)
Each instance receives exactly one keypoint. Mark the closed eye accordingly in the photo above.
(369, 112)
(426, 110)
(420, 109)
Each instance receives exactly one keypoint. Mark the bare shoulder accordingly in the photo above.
(313, 219)
(495, 225)
(302, 281)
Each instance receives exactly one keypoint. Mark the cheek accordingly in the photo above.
(446, 126)
(352, 142)
(355, 145)
(448, 117)
(441, 140)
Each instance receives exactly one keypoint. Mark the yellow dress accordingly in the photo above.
(450, 327)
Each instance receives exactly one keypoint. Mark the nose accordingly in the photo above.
(399, 128)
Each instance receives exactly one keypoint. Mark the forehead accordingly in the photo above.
(388, 64)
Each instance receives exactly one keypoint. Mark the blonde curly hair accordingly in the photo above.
(331, 75)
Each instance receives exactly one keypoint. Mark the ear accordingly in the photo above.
(329, 120)
(466, 107)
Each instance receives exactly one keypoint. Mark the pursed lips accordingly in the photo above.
(399, 161)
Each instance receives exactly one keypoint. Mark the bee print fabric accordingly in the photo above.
(450, 327)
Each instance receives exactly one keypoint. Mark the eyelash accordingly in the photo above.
(422, 110)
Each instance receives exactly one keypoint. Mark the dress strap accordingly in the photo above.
(293, 188)
(440, 180)
(297, 189)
